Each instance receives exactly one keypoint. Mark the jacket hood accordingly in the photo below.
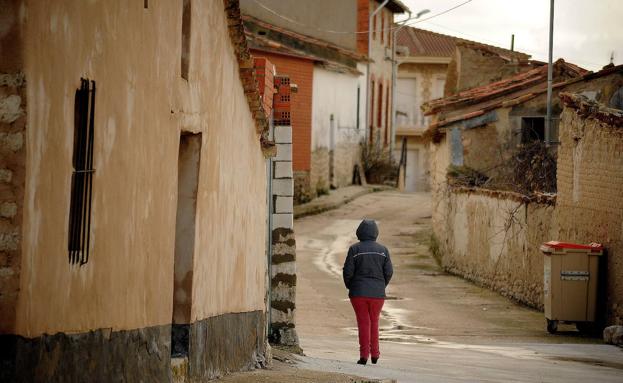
(367, 230)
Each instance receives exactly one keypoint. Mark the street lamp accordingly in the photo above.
(394, 75)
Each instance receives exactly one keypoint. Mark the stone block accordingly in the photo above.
(283, 205)
(283, 134)
(283, 169)
(12, 79)
(11, 141)
(10, 108)
(6, 175)
(285, 268)
(8, 209)
(284, 152)
(283, 221)
(10, 241)
(613, 335)
(283, 187)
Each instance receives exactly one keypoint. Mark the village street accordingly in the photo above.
(435, 327)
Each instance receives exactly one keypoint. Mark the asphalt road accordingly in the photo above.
(435, 327)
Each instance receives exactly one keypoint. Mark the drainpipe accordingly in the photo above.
(548, 120)
(368, 112)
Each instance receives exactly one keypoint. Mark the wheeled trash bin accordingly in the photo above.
(570, 283)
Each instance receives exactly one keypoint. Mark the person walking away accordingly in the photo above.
(367, 271)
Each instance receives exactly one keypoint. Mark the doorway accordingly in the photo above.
(412, 170)
(187, 185)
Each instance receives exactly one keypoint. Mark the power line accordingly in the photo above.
(441, 13)
(290, 20)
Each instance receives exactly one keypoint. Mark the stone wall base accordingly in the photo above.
(218, 345)
(303, 191)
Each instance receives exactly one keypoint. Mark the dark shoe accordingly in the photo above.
(374, 360)
(362, 361)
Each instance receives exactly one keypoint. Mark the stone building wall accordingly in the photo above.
(590, 187)
(283, 261)
(13, 154)
(493, 239)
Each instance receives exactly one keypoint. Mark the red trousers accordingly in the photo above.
(368, 311)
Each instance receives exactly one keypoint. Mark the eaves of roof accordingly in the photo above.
(592, 109)
(283, 36)
(260, 43)
(505, 88)
(246, 73)
(521, 97)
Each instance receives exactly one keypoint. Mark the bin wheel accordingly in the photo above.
(552, 326)
(588, 328)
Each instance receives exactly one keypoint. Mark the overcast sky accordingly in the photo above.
(586, 32)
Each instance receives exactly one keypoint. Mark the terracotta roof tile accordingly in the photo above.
(508, 92)
(533, 77)
(422, 42)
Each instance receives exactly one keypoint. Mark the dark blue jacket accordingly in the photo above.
(368, 268)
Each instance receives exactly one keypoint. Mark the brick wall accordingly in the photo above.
(301, 74)
(363, 12)
(13, 154)
(590, 189)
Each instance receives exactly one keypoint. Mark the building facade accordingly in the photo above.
(134, 182)
(329, 111)
(425, 60)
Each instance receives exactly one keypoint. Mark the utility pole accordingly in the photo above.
(548, 120)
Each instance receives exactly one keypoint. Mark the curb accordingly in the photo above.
(308, 209)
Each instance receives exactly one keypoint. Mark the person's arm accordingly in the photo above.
(388, 269)
(349, 268)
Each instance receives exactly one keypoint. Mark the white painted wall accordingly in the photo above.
(336, 94)
(407, 102)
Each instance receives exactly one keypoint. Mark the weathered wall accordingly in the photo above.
(335, 130)
(485, 147)
(493, 239)
(142, 105)
(473, 66)
(13, 105)
(590, 191)
(415, 85)
(314, 18)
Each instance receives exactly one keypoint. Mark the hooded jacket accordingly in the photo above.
(368, 268)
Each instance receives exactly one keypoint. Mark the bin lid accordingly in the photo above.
(550, 246)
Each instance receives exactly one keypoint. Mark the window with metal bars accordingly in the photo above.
(82, 177)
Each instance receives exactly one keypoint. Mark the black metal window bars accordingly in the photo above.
(82, 177)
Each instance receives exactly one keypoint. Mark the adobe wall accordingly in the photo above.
(493, 239)
(471, 67)
(125, 292)
(590, 190)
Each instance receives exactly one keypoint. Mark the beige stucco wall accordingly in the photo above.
(590, 195)
(142, 105)
(494, 241)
